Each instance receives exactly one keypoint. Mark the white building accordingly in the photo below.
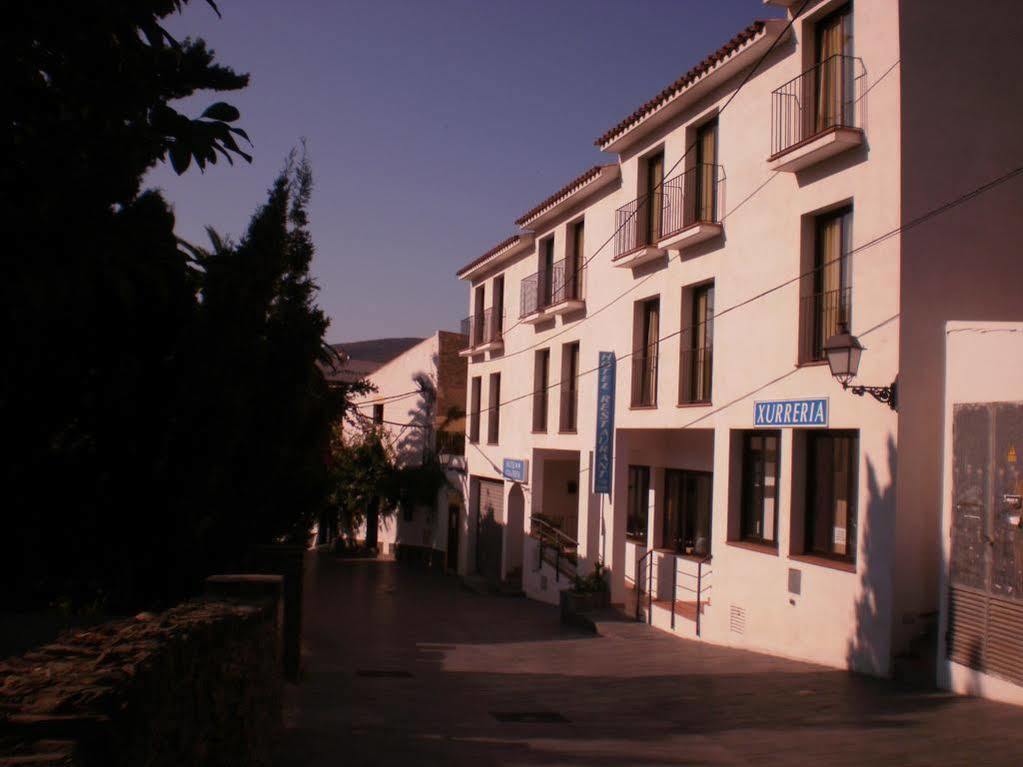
(418, 407)
(794, 181)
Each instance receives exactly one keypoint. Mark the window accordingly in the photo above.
(474, 409)
(697, 358)
(833, 98)
(831, 493)
(547, 271)
(569, 387)
(378, 414)
(541, 373)
(639, 502)
(653, 202)
(494, 408)
(760, 487)
(497, 326)
(644, 358)
(573, 278)
(702, 192)
(687, 511)
(477, 319)
(828, 306)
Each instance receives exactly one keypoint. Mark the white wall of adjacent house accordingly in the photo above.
(827, 597)
(408, 429)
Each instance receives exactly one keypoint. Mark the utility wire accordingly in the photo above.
(667, 174)
(919, 220)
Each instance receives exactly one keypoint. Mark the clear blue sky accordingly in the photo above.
(431, 125)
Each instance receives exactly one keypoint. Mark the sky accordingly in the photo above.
(431, 125)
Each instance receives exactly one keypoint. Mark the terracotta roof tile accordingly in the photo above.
(565, 191)
(494, 250)
(685, 80)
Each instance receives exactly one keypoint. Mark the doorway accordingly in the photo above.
(453, 524)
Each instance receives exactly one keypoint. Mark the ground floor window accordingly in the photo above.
(760, 486)
(687, 511)
(639, 502)
(832, 459)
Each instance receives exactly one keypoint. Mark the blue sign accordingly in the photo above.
(603, 455)
(516, 469)
(791, 412)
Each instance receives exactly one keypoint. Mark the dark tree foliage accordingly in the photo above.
(161, 408)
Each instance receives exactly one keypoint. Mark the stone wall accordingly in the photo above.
(199, 684)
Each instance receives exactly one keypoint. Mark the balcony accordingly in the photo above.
(695, 376)
(691, 209)
(637, 230)
(817, 115)
(484, 332)
(544, 296)
(820, 317)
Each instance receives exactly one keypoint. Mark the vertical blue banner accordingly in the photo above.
(603, 456)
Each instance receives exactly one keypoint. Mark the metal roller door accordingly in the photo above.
(985, 629)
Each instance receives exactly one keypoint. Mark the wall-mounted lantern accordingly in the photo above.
(844, 350)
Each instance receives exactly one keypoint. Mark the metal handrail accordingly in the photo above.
(699, 590)
(563, 544)
(650, 589)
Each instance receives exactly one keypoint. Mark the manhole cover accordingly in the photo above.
(383, 673)
(530, 717)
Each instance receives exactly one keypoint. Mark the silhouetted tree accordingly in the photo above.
(161, 406)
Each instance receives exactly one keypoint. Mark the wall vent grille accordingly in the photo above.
(737, 620)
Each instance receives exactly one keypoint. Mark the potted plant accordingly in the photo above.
(588, 592)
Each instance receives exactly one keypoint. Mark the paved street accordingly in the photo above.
(406, 667)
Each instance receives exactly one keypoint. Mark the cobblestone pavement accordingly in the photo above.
(406, 667)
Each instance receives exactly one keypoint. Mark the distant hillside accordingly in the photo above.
(377, 350)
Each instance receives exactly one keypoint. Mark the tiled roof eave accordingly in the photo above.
(571, 189)
(682, 85)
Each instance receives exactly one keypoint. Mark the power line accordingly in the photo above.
(919, 220)
(665, 176)
(714, 411)
(635, 285)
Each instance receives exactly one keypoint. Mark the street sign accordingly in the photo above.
(603, 456)
(791, 412)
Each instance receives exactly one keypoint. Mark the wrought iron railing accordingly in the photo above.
(529, 299)
(820, 99)
(820, 317)
(695, 375)
(483, 328)
(450, 443)
(644, 379)
(692, 197)
(539, 291)
(637, 224)
(557, 548)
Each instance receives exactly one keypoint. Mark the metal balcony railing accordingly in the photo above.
(695, 375)
(692, 198)
(644, 379)
(820, 317)
(637, 224)
(450, 443)
(820, 99)
(483, 328)
(539, 291)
